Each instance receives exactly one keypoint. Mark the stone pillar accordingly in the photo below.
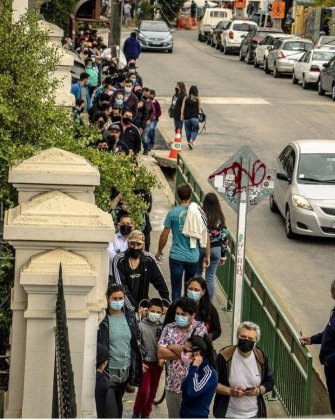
(56, 221)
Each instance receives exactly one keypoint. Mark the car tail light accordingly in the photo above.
(281, 54)
(315, 68)
(231, 34)
(255, 41)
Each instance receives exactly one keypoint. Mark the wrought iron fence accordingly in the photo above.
(64, 396)
(292, 363)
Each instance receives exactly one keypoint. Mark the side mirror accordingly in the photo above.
(269, 47)
(283, 177)
(326, 65)
(172, 30)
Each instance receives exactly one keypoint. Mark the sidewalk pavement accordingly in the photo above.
(163, 200)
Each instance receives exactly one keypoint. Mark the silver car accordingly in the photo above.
(304, 188)
(284, 54)
(155, 35)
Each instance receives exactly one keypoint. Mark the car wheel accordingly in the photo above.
(218, 45)
(170, 50)
(225, 50)
(276, 73)
(333, 93)
(200, 37)
(305, 85)
(294, 79)
(248, 59)
(256, 65)
(208, 40)
(266, 67)
(273, 205)
(321, 92)
(241, 55)
(288, 226)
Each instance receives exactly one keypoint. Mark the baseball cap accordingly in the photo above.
(137, 88)
(114, 127)
(136, 236)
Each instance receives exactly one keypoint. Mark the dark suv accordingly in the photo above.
(327, 79)
(250, 42)
(216, 34)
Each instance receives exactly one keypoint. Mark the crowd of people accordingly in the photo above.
(140, 335)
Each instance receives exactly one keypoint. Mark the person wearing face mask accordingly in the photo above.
(119, 332)
(101, 105)
(142, 111)
(196, 289)
(170, 347)
(151, 118)
(130, 100)
(244, 376)
(80, 90)
(92, 71)
(129, 132)
(176, 104)
(135, 269)
(106, 87)
(132, 70)
(100, 120)
(199, 386)
(151, 328)
(120, 242)
(115, 144)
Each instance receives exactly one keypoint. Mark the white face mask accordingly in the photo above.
(127, 89)
(154, 317)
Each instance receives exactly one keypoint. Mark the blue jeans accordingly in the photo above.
(178, 124)
(177, 269)
(191, 128)
(152, 132)
(211, 270)
(145, 138)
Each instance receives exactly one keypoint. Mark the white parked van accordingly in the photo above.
(210, 19)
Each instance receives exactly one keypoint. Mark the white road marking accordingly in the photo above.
(224, 100)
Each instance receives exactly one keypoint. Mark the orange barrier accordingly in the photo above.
(176, 146)
(188, 23)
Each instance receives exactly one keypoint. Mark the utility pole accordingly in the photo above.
(115, 24)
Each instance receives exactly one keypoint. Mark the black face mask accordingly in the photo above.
(145, 98)
(125, 230)
(134, 253)
(245, 345)
(126, 120)
(177, 90)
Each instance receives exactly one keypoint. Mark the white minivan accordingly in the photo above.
(210, 19)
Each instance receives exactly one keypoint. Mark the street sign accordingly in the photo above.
(278, 9)
(243, 182)
(230, 179)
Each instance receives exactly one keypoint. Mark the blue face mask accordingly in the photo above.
(116, 304)
(119, 101)
(193, 294)
(182, 321)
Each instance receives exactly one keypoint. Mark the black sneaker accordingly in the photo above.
(190, 144)
(145, 152)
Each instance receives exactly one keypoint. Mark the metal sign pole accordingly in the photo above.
(239, 255)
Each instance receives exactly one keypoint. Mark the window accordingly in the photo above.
(218, 14)
(306, 57)
(298, 46)
(154, 27)
(243, 27)
(316, 166)
(323, 55)
(287, 157)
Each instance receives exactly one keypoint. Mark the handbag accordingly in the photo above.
(202, 116)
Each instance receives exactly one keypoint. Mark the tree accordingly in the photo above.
(169, 9)
(30, 121)
(58, 12)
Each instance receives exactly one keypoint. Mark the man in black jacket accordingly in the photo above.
(244, 376)
(327, 352)
(129, 132)
(135, 269)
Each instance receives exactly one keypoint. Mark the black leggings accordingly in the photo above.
(119, 393)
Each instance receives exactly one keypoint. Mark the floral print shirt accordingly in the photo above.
(219, 237)
(176, 369)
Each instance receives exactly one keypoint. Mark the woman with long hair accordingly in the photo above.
(218, 234)
(196, 289)
(199, 386)
(190, 115)
(176, 104)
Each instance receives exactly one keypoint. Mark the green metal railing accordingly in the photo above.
(291, 362)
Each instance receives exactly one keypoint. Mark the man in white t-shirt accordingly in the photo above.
(244, 376)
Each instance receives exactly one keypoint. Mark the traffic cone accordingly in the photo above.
(176, 146)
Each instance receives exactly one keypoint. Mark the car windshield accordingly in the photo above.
(316, 167)
(327, 40)
(243, 27)
(154, 27)
(298, 46)
(323, 55)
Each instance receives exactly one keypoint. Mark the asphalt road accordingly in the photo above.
(246, 107)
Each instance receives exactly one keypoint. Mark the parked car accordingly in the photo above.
(155, 35)
(233, 34)
(284, 54)
(209, 21)
(250, 42)
(216, 33)
(307, 69)
(326, 82)
(264, 46)
(325, 40)
(304, 188)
